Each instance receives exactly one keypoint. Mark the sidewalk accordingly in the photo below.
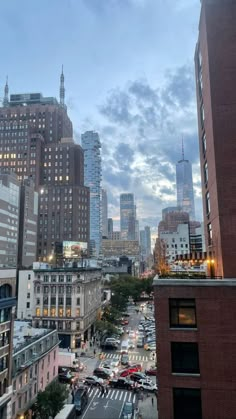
(147, 410)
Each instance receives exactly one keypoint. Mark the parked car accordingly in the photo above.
(128, 411)
(103, 373)
(140, 343)
(80, 400)
(132, 334)
(137, 376)
(147, 385)
(65, 378)
(124, 359)
(113, 340)
(151, 371)
(93, 380)
(121, 382)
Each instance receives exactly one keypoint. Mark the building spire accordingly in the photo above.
(182, 148)
(62, 89)
(6, 92)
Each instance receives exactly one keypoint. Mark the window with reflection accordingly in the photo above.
(182, 313)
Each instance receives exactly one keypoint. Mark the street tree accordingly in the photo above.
(50, 401)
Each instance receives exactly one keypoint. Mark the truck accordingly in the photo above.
(67, 359)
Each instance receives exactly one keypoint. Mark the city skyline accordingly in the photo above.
(130, 103)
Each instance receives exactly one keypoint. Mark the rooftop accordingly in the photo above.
(30, 98)
(25, 334)
(188, 282)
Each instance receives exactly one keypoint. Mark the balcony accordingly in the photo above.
(5, 398)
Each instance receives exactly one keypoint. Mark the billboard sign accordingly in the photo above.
(72, 250)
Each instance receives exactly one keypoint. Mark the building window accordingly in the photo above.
(205, 172)
(209, 234)
(204, 145)
(78, 301)
(45, 312)
(14, 408)
(60, 312)
(53, 312)
(61, 278)
(28, 294)
(202, 115)
(184, 356)
(68, 312)
(54, 371)
(208, 207)
(27, 305)
(68, 278)
(182, 313)
(187, 403)
(19, 403)
(37, 311)
(77, 312)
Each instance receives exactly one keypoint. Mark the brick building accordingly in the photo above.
(215, 61)
(196, 365)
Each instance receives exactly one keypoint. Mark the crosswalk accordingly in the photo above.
(113, 394)
(132, 357)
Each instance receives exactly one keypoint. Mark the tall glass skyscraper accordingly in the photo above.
(92, 178)
(184, 183)
(127, 217)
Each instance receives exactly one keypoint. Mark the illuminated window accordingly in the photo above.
(78, 312)
(182, 313)
(68, 312)
(53, 312)
(37, 311)
(61, 312)
(209, 233)
(45, 312)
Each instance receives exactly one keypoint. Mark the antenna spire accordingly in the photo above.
(6, 92)
(62, 89)
(182, 148)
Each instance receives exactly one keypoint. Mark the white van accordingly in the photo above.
(124, 346)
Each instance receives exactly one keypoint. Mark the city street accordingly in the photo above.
(111, 405)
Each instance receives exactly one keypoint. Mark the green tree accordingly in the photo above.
(105, 326)
(50, 401)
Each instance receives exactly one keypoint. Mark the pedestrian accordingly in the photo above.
(152, 401)
(94, 352)
(68, 349)
(106, 390)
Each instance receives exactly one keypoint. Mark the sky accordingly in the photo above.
(129, 75)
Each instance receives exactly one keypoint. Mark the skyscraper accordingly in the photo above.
(92, 178)
(145, 241)
(184, 183)
(104, 214)
(127, 216)
(110, 228)
(215, 61)
(36, 143)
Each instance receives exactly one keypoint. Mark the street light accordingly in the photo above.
(211, 264)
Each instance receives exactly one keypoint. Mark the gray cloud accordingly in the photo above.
(152, 122)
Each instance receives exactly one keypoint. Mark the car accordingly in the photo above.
(124, 359)
(121, 382)
(80, 400)
(132, 334)
(151, 371)
(147, 385)
(93, 380)
(131, 345)
(65, 378)
(150, 346)
(114, 362)
(111, 369)
(103, 373)
(140, 328)
(113, 340)
(109, 346)
(131, 369)
(137, 376)
(140, 343)
(128, 411)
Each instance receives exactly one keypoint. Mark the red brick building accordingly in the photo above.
(215, 62)
(196, 340)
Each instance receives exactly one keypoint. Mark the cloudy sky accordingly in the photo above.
(129, 75)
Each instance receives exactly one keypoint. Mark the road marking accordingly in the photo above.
(116, 396)
(126, 394)
(121, 395)
(112, 394)
(88, 407)
(129, 397)
(134, 398)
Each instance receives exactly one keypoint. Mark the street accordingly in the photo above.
(111, 405)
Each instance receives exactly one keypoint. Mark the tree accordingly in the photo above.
(50, 401)
(105, 326)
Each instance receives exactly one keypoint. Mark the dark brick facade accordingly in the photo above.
(215, 334)
(215, 62)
